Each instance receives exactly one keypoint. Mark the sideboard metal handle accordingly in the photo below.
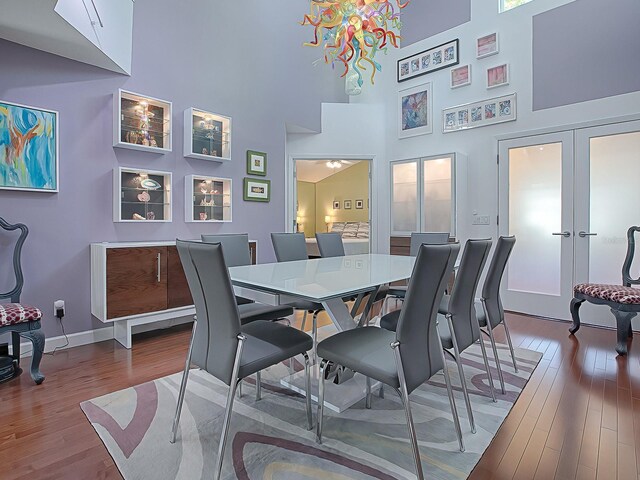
(566, 234)
(158, 269)
(583, 234)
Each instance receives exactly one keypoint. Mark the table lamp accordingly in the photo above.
(327, 220)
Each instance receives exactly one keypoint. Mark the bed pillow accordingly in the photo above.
(350, 230)
(338, 227)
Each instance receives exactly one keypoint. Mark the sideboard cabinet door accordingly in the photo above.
(136, 281)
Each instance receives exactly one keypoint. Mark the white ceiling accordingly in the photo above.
(314, 171)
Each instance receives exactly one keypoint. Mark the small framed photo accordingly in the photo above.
(336, 205)
(432, 60)
(487, 45)
(257, 190)
(347, 204)
(498, 76)
(359, 204)
(479, 114)
(414, 111)
(256, 163)
(461, 76)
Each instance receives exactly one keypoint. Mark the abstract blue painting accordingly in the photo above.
(28, 148)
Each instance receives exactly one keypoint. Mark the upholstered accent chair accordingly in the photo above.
(20, 319)
(623, 300)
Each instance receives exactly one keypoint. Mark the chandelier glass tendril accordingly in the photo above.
(352, 32)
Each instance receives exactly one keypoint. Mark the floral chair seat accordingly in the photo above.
(611, 293)
(15, 313)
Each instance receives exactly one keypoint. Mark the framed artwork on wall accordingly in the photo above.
(432, 60)
(487, 45)
(460, 76)
(28, 148)
(415, 111)
(479, 114)
(256, 163)
(257, 190)
(347, 204)
(359, 204)
(498, 76)
(336, 205)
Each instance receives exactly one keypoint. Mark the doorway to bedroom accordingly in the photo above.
(333, 195)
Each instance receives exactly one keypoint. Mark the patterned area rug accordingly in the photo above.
(269, 440)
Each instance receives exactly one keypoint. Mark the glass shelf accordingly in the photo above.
(128, 207)
(219, 211)
(206, 143)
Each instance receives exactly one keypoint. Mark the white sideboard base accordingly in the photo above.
(123, 329)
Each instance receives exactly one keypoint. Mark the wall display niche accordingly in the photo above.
(207, 136)
(141, 122)
(432, 60)
(29, 146)
(207, 199)
(141, 195)
(479, 114)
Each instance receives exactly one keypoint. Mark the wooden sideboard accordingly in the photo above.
(137, 283)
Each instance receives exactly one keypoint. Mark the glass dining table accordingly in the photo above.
(326, 281)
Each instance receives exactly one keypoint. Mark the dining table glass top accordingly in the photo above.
(324, 278)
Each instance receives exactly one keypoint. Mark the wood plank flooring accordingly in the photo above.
(578, 418)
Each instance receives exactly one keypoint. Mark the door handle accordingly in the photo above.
(565, 234)
(583, 234)
(158, 274)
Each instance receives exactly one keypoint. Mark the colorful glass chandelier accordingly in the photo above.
(352, 32)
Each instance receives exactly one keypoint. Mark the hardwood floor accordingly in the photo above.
(578, 418)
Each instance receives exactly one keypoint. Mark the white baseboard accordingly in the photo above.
(75, 340)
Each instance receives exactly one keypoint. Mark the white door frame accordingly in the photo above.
(291, 191)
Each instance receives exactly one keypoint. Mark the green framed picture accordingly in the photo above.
(257, 190)
(256, 163)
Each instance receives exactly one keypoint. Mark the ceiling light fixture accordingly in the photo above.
(352, 32)
(334, 164)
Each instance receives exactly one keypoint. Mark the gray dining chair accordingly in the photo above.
(489, 309)
(291, 247)
(458, 323)
(417, 239)
(237, 253)
(403, 359)
(235, 247)
(330, 244)
(223, 347)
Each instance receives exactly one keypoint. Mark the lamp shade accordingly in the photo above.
(327, 219)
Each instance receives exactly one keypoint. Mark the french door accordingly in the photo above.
(569, 198)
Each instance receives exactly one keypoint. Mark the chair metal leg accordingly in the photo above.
(307, 374)
(319, 416)
(258, 386)
(452, 400)
(381, 394)
(314, 335)
(404, 395)
(463, 381)
(492, 339)
(239, 390)
(183, 387)
(304, 320)
(513, 356)
(368, 395)
(229, 408)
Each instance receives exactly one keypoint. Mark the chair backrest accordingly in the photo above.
(289, 246)
(14, 293)
(627, 281)
(420, 348)
(330, 244)
(216, 337)
(235, 247)
(462, 302)
(428, 238)
(491, 287)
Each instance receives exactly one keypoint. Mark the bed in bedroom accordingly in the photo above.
(355, 238)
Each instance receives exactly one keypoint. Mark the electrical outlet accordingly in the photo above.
(57, 305)
(481, 220)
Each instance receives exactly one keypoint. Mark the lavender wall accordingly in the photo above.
(585, 50)
(422, 19)
(240, 58)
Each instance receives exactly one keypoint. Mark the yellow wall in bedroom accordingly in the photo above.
(307, 208)
(350, 183)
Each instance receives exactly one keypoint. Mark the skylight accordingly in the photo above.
(509, 4)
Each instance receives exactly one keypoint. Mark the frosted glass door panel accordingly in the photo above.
(438, 195)
(535, 213)
(405, 197)
(614, 199)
